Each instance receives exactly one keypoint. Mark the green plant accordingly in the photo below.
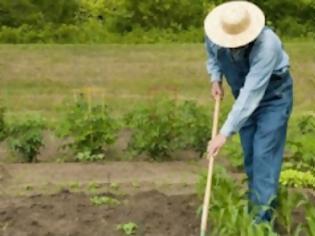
(195, 126)
(2, 123)
(297, 179)
(310, 219)
(25, 136)
(288, 202)
(93, 187)
(228, 213)
(306, 123)
(90, 128)
(74, 185)
(155, 129)
(114, 186)
(300, 141)
(87, 156)
(234, 153)
(166, 125)
(128, 228)
(104, 200)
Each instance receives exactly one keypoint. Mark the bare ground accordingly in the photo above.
(158, 197)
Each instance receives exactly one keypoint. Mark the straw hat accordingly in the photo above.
(234, 24)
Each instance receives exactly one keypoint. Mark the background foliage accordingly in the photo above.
(132, 21)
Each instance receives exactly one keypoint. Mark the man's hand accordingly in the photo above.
(216, 144)
(217, 90)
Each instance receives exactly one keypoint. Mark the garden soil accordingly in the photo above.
(73, 214)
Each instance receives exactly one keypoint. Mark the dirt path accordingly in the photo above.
(17, 179)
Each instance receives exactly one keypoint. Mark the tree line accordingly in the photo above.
(134, 21)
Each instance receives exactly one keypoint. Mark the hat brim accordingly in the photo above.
(217, 35)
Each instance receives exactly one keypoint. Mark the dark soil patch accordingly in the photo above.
(70, 214)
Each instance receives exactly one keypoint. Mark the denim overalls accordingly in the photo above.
(264, 134)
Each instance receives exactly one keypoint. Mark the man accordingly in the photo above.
(251, 58)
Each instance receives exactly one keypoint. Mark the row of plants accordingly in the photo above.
(229, 214)
(158, 129)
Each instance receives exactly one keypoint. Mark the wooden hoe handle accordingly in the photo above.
(207, 195)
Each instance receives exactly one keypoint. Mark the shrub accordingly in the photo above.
(195, 126)
(165, 126)
(89, 126)
(25, 136)
(155, 129)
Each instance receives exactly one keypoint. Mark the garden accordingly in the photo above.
(106, 113)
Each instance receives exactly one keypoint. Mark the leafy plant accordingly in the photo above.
(2, 123)
(128, 228)
(234, 153)
(155, 129)
(114, 186)
(306, 124)
(87, 156)
(229, 213)
(195, 126)
(300, 141)
(93, 186)
(90, 127)
(310, 219)
(104, 200)
(288, 202)
(165, 126)
(25, 136)
(294, 178)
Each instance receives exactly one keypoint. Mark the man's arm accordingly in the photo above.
(263, 59)
(213, 67)
(214, 71)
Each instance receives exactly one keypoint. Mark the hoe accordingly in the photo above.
(207, 195)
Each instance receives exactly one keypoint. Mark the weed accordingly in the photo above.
(104, 200)
(128, 228)
(25, 137)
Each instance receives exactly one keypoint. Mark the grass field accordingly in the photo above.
(40, 77)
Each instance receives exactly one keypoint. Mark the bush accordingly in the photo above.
(89, 126)
(195, 125)
(25, 136)
(165, 126)
(300, 141)
(155, 129)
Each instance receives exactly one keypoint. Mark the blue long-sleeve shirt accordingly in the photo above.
(266, 58)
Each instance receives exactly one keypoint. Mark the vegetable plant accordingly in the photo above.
(155, 129)
(195, 126)
(25, 136)
(104, 200)
(310, 219)
(88, 156)
(166, 125)
(297, 179)
(128, 228)
(288, 202)
(89, 127)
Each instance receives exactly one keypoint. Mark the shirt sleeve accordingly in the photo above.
(213, 67)
(263, 59)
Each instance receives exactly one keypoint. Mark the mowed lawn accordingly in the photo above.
(41, 78)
